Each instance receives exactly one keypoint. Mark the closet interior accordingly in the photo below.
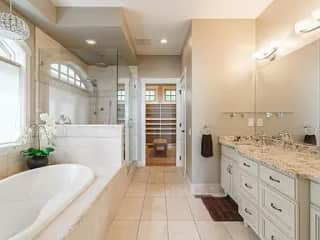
(161, 124)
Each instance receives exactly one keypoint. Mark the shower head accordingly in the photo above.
(93, 82)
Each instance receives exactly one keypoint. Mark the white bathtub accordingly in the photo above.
(29, 201)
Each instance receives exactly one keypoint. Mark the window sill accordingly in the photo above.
(4, 148)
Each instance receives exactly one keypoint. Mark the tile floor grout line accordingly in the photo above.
(229, 233)
(193, 217)
(165, 197)
(141, 213)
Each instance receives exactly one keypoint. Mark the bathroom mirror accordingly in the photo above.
(287, 94)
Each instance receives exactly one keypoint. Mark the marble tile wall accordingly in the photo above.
(11, 161)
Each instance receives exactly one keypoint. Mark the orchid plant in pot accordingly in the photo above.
(44, 135)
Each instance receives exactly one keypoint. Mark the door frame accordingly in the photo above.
(183, 120)
(144, 82)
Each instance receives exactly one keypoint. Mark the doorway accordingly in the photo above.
(160, 124)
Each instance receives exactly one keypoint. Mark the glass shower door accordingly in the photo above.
(127, 110)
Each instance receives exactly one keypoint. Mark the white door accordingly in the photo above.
(181, 124)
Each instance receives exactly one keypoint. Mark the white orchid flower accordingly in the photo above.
(44, 117)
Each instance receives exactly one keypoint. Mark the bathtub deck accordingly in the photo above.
(159, 206)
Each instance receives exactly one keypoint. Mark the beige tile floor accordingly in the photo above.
(159, 206)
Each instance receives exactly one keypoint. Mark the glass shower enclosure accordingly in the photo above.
(85, 86)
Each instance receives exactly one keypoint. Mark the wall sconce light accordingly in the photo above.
(266, 53)
(309, 24)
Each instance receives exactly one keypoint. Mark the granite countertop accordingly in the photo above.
(296, 163)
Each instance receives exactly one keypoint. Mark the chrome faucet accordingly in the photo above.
(286, 138)
(262, 138)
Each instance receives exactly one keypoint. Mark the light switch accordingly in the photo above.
(260, 122)
(250, 122)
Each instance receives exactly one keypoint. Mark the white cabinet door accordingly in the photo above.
(314, 223)
(235, 184)
(226, 174)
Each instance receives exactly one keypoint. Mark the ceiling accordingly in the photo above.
(149, 21)
(73, 26)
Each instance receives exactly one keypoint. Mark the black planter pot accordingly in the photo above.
(37, 162)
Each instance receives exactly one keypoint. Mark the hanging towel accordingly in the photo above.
(206, 146)
(310, 139)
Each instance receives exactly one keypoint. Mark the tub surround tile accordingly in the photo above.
(93, 212)
(305, 164)
(95, 146)
(3, 166)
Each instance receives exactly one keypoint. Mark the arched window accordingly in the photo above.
(13, 95)
(68, 74)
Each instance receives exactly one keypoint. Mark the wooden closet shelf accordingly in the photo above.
(162, 119)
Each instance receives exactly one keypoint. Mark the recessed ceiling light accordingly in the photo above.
(91, 42)
(164, 41)
(102, 64)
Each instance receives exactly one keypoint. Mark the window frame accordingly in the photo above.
(72, 77)
(18, 55)
(170, 95)
(121, 97)
(150, 95)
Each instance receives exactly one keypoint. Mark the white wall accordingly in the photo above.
(159, 66)
(222, 81)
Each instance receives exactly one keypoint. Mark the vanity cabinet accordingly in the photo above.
(315, 211)
(230, 176)
(274, 204)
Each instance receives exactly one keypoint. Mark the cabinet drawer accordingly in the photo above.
(230, 153)
(249, 166)
(280, 209)
(315, 193)
(268, 231)
(281, 182)
(250, 214)
(249, 187)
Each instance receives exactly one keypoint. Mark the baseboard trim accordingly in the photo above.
(212, 189)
